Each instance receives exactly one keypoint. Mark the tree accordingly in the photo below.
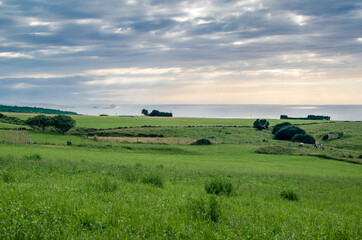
(277, 127)
(156, 113)
(261, 124)
(62, 123)
(145, 112)
(39, 121)
(288, 132)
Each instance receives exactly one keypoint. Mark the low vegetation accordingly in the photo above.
(246, 185)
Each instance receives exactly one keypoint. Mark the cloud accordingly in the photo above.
(153, 51)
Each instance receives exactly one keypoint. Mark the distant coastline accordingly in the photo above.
(336, 112)
(25, 109)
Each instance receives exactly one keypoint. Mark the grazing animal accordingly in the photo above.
(301, 144)
(321, 146)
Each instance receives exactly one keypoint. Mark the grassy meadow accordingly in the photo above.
(139, 178)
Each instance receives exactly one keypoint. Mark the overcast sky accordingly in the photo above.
(173, 51)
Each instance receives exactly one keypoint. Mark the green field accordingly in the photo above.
(114, 122)
(107, 186)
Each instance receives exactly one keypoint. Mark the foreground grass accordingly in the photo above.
(116, 190)
(61, 192)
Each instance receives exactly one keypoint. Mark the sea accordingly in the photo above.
(336, 112)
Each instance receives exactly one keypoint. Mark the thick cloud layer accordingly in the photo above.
(153, 51)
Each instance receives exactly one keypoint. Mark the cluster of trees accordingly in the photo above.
(287, 131)
(156, 113)
(62, 123)
(309, 117)
(4, 108)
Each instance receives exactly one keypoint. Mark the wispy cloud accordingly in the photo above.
(181, 51)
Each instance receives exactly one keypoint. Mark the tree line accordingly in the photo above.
(4, 108)
(156, 113)
(62, 123)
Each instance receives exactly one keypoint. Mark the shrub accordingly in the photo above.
(261, 124)
(289, 195)
(219, 186)
(288, 132)
(39, 121)
(279, 126)
(304, 138)
(62, 123)
(202, 141)
(153, 179)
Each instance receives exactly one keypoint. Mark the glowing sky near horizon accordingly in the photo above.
(187, 52)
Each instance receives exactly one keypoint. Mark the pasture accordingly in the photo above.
(103, 188)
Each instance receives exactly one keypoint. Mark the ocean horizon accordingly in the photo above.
(336, 112)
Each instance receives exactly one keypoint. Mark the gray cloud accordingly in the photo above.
(323, 38)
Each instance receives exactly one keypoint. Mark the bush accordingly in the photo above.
(261, 124)
(62, 123)
(289, 195)
(39, 121)
(279, 126)
(304, 138)
(219, 186)
(288, 132)
(202, 141)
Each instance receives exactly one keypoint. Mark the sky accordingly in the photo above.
(64, 53)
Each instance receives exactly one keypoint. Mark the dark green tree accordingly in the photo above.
(288, 132)
(62, 123)
(261, 124)
(277, 127)
(38, 122)
(145, 112)
(156, 113)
